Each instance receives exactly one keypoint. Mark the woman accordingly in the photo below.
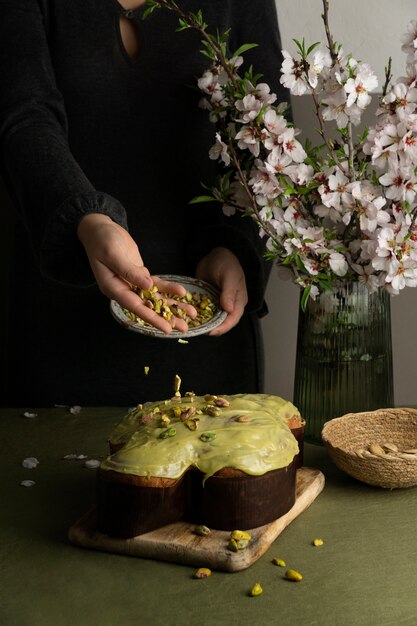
(103, 146)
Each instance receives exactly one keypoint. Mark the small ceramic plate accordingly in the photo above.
(191, 284)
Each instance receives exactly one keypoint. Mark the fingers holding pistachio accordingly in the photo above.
(141, 309)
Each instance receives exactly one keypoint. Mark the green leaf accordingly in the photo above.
(244, 48)
(299, 263)
(305, 297)
(311, 48)
(150, 10)
(198, 199)
(182, 25)
(301, 47)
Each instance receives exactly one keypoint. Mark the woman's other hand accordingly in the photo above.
(117, 265)
(222, 269)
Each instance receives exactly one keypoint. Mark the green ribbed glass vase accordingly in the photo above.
(344, 355)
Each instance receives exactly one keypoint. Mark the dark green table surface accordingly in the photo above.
(364, 574)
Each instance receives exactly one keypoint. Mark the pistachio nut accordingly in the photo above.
(293, 575)
(240, 534)
(256, 590)
(168, 432)
(192, 423)
(202, 530)
(202, 572)
(209, 436)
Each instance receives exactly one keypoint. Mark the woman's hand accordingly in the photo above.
(222, 269)
(117, 265)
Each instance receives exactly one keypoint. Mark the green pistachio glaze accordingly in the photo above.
(261, 443)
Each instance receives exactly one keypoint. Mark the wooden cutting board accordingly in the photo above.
(177, 542)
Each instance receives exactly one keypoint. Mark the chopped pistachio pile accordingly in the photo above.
(158, 302)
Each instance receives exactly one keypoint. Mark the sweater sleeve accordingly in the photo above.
(49, 188)
(251, 22)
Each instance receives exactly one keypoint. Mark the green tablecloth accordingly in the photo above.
(364, 574)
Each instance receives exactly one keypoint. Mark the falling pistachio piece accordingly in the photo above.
(177, 385)
(279, 562)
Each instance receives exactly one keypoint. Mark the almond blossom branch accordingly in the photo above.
(200, 27)
(329, 213)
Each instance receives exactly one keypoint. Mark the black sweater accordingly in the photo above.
(84, 128)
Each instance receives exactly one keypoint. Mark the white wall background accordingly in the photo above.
(371, 30)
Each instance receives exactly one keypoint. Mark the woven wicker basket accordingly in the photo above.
(349, 438)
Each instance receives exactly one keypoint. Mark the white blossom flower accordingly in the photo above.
(408, 145)
(399, 183)
(220, 150)
(248, 107)
(301, 173)
(293, 76)
(338, 263)
(263, 93)
(275, 124)
(409, 39)
(368, 277)
(292, 147)
(277, 161)
(358, 88)
(294, 214)
(403, 98)
(263, 181)
(209, 82)
(336, 107)
(369, 206)
(321, 61)
(248, 139)
(337, 193)
(402, 274)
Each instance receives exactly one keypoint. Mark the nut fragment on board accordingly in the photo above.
(202, 572)
(318, 542)
(30, 463)
(293, 575)
(27, 483)
(256, 590)
(92, 463)
(30, 415)
(201, 531)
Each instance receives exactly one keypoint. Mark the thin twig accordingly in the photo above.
(325, 18)
(323, 131)
(388, 77)
(351, 151)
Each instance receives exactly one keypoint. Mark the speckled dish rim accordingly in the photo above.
(191, 284)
